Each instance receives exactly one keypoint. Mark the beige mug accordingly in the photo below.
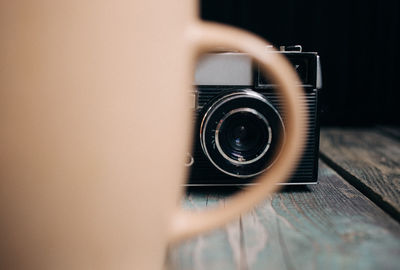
(95, 126)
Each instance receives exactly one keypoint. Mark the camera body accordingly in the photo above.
(240, 120)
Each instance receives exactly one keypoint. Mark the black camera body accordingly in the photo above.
(240, 121)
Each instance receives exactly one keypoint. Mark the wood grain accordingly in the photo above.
(391, 131)
(219, 249)
(327, 226)
(368, 160)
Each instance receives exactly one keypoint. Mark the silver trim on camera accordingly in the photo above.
(250, 184)
(190, 160)
(214, 107)
(243, 161)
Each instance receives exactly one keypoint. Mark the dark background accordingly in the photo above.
(358, 42)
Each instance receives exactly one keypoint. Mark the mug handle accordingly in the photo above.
(206, 36)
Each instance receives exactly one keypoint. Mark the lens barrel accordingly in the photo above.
(241, 133)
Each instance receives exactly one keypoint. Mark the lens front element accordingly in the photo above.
(243, 136)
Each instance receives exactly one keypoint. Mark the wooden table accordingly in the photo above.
(349, 220)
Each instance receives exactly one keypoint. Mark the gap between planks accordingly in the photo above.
(362, 158)
(330, 225)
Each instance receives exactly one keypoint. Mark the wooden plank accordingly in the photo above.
(327, 226)
(391, 131)
(368, 160)
(219, 249)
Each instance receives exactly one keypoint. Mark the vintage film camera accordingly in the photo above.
(240, 121)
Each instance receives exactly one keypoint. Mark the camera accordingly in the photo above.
(240, 119)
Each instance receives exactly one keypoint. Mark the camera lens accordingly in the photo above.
(241, 133)
(243, 136)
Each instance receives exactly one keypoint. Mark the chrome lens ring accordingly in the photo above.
(232, 104)
(243, 160)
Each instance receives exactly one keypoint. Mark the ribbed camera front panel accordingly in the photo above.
(203, 172)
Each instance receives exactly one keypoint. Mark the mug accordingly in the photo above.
(95, 126)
